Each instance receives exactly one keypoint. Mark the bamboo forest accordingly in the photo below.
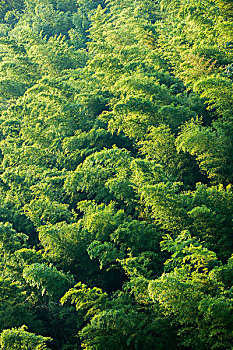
(116, 171)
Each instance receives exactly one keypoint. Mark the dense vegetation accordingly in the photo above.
(116, 147)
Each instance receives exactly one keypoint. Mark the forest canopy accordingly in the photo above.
(116, 171)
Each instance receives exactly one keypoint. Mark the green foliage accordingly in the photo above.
(115, 174)
(66, 245)
(42, 211)
(9, 5)
(206, 212)
(85, 298)
(199, 47)
(22, 340)
(15, 308)
(117, 322)
(17, 71)
(48, 279)
(211, 146)
(10, 240)
(99, 174)
(194, 296)
(134, 73)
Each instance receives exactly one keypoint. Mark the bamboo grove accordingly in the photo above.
(116, 170)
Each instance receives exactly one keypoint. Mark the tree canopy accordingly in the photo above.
(116, 172)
